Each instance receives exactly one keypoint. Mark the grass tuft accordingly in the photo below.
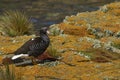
(7, 73)
(15, 23)
(53, 52)
(101, 55)
(116, 45)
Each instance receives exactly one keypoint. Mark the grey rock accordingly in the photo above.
(99, 35)
(55, 30)
(98, 44)
(104, 9)
(108, 46)
(117, 34)
(50, 64)
(98, 29)
(108, 33)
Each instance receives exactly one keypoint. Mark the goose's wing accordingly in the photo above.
(37, 44)
(24, 48)
(37, 47)
(33, 47)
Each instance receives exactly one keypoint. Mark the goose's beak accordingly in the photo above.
(48, 32)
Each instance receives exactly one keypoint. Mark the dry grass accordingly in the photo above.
(15, 23)
(53, 52)
(7, 73)
(101, 55)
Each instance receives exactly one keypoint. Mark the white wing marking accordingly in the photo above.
(17, 56)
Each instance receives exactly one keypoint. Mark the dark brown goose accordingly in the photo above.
(34, 47)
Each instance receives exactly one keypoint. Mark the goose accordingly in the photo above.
(35, 46)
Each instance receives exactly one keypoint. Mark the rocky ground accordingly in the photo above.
(89, 42)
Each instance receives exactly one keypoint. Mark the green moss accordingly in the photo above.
(116, 45)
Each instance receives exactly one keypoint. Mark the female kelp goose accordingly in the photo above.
(34, 47)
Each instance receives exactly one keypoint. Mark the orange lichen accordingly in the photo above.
(115, 12)
(80, 22)
(108, 25)
(73, 30)
(115, 5)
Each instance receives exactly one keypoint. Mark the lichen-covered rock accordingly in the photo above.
(117, 34)
(1, 52)
(99, 44)
(108, 46)
(104, 9)
(91, 30)
(99, 35)
(73, 29)
(55, 30)
(108, 33)
(50, 64)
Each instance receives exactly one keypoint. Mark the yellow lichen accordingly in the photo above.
(73, 30)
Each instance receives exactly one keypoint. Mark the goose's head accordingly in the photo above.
(44, 30)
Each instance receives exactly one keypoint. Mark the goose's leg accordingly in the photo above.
(32, 55)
